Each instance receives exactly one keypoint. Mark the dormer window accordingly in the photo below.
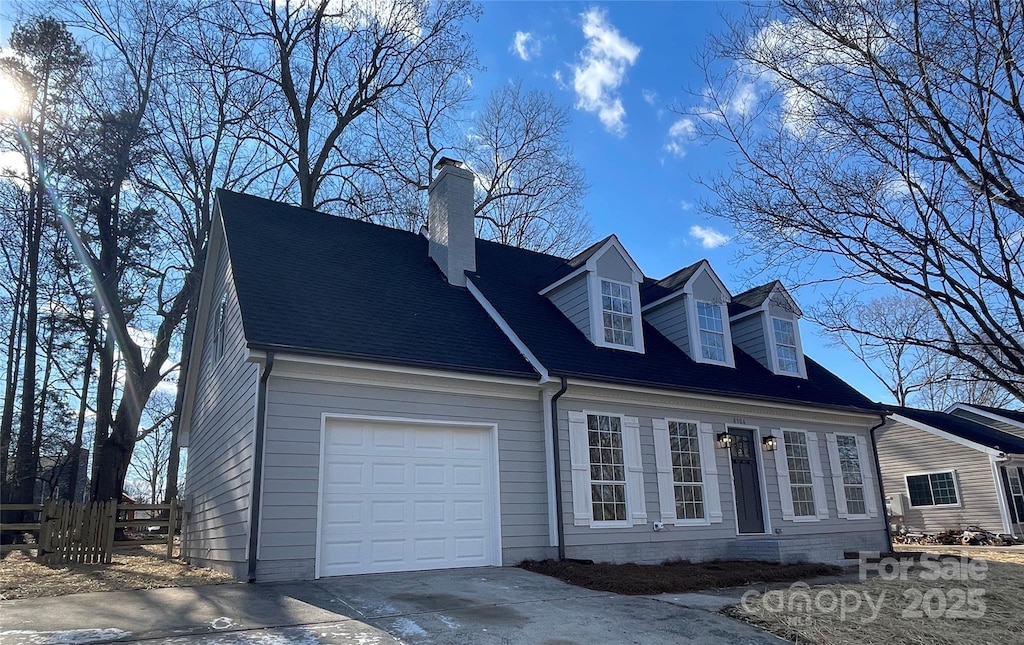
(785, 346)
(712, 331)
(617, 313)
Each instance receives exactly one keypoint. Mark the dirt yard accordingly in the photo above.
(674, 576)
(141, 567)
(945, 600)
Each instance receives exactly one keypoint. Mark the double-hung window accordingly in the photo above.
(607, 468)
(933, 489)
(801, 479)
(853, 476)
(617, 313)
(687, 475)
(712, 331)
(786, 356)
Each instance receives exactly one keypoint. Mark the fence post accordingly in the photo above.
(172, 519)
(44, 531)
(108, 547)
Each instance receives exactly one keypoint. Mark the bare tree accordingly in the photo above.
(884, 334)
(530, 188)
(885, 139)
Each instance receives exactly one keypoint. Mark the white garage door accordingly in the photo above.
(405, 497)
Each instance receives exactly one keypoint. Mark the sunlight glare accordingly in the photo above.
(10, 96)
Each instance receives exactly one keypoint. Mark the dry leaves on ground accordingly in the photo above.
(141, 567)
(962, 605)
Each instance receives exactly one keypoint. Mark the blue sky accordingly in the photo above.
(622, 68)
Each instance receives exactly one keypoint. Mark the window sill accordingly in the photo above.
(805, 518)
(957, 505)
(701, 522)
(617, 524)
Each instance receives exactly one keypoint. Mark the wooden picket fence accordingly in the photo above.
(70, 533)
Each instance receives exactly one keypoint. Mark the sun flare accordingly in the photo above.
(10, 95)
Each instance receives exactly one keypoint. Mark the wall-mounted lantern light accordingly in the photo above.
(770, 443)
(724, 439)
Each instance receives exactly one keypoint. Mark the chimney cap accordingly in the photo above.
(447, 161)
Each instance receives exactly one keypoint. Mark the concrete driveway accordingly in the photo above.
(464, 606)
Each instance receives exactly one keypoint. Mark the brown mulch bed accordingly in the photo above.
(675, 576)
(140, 567)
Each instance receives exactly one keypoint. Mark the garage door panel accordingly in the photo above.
(399, 498)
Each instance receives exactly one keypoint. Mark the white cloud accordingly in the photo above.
(680, 133)
(602, 68)
(685, 205)
(708, 237)
(650, 97)
(525, 45)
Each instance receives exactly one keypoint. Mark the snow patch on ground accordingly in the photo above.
(66, 637)
(222, 623)
(406, 627)
(448, 621)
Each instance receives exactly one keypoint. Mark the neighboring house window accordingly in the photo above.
(712, 331)
(617, 310)
(785, 345)
(220, 331)
(801, 481)
(687, 475)
(607, 468)
(932, 489)
(853, 477)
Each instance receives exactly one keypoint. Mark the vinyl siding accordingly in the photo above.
(295, 407)
(825, 540)
(670, 319)
(748, 335)
(572, 299)
(613, 266)
(903, 450)
(219, 483)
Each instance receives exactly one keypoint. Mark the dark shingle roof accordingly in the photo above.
(1014, 415)
(964, 428)
(751, 298)
(511, 278)
(319, 284)
(655, 290)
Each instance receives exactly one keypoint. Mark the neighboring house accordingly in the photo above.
(54, 478)
(950, 470)
(363, 399)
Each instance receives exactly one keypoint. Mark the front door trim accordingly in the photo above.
(765, 509)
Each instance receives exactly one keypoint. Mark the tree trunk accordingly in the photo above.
(104, 404)
(73, 493)
(174, 456)
(11, 388)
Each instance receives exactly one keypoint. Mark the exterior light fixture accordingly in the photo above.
(724, 439)
(770, 443)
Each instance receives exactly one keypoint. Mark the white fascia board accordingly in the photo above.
(984, 413)
(945, 435)
(217, 240)
(613, 242)
(508, 331)
(554, 285)
(705, 266)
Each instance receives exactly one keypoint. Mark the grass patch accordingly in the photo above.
(675, 576)
(140, 567)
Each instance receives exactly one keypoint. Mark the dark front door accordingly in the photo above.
(749, 514)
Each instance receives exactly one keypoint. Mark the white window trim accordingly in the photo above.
(597, 311)
(801, 365)
(817, 478)
(695, 346)
(666, 480)
(579, 455)
(866, 474)
(956, 488)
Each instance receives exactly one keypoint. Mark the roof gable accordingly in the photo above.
(587, 261)
(976, 433)
(758, 298)
(680, 283)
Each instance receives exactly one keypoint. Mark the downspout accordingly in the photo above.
(556, 457)
(257, 464)
(878, 478)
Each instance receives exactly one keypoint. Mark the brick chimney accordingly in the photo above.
(450, 220)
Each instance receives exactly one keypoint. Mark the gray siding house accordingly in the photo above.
(950, 470)
(362, 399)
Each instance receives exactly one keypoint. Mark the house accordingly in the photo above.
(363, 399)
(950, 470)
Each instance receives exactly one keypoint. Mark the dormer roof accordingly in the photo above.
(655, 292)
(758, 297)
(586, 260)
